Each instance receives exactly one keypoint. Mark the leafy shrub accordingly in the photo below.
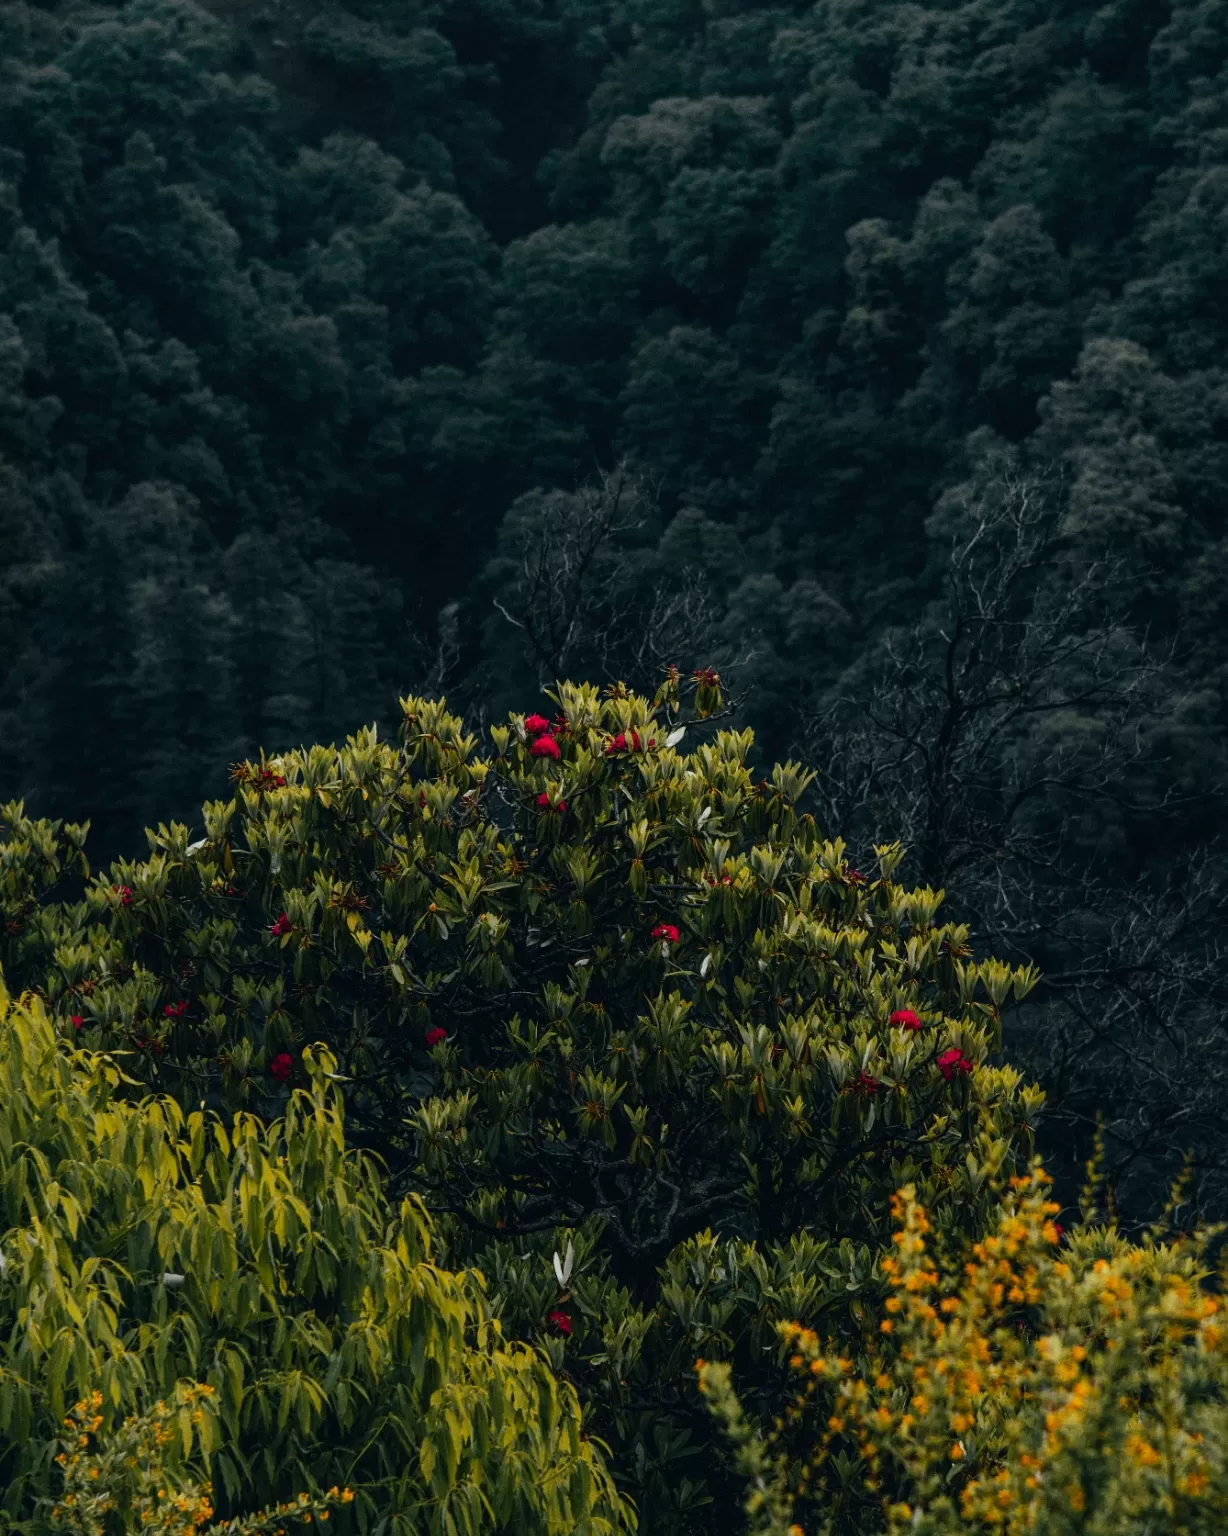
(1020, 1384)
(652, 1051)
(144, 1248)
(143, 1474)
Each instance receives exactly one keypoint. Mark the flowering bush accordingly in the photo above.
(255, 1274)
(670, 1020)
(141, 1476)
(1020, 1384)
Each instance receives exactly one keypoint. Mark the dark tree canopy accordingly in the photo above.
(349, 348)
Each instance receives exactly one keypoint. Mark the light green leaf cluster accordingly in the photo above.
(144, 1246)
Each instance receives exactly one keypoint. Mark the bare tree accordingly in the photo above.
(1010, 739)
(588, 598)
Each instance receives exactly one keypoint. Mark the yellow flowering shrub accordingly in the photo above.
(1019, 1384)
(144, 1474)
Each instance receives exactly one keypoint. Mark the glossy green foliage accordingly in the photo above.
(596, 990)
(144, 1246)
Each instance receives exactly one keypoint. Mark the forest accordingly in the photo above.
(840, 383)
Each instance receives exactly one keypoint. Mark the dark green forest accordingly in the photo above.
(871, 353)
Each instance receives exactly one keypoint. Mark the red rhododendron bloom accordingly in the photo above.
(667, 932)
(281, 1066)
(124, 892)
(559, 1322)
(434, 1036)
(175, 1010)
(545, 746)
(281, 926)
(906, 1019)
(543, 801)
(77, 1020)
(536, 725)
(866, 1086)
(616, 744)
(953, 1061)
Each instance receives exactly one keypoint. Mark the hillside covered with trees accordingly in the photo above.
(870, 353)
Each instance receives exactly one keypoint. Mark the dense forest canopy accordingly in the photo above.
(871, 352)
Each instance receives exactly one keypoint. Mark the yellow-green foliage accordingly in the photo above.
(144, 1247)
(1019, 1385)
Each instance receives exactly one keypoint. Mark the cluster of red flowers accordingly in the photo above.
(543, 801)
(175, 1010)
(265, 778)
(124, 892)
(629, 741)
(541, 737)
(906, 1019)
(282, 926)
(865, 1086)
(666, 932)
(77, 1020)
(706, 677)
(434, 1036)
(559, 1322)
(953, 1061)
(281, 1066)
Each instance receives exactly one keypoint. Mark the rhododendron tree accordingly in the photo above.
(668, 1014)
(256, 1278)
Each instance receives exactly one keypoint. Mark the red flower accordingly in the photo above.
(559, 1322)
(618, 743)
(175, 1010)
(854, 877)
(434, 1036)
(77, 1020)
(543, 801)
(282, 926)
(281, 1066)
(866, 1086)
(124, 892)
(667, 932)
(545, 746)
(906, 1019)
(953, 1061)
(536, 725)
